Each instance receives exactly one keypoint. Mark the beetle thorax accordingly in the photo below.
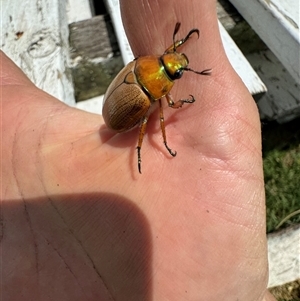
(174, 64)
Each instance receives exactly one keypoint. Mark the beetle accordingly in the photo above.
(142, 83)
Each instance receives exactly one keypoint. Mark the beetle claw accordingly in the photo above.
(189, 100)
(173, 154)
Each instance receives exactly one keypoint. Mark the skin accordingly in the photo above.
(80, 223)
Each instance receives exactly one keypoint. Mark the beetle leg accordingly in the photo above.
(163, 129)
(179, 103)
(141, 137)
(178, 43)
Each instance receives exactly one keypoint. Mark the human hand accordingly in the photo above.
(80, 223)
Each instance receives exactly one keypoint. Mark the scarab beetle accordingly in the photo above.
(142, 83)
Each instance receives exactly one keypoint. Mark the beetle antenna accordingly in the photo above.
(176, 29)
(204, 72)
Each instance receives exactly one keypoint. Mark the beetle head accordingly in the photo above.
(175, 63)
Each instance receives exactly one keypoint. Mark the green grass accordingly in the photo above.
(281, 153)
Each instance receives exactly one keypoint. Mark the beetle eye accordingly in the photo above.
(178, 73)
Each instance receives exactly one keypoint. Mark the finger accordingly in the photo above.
(155, 21)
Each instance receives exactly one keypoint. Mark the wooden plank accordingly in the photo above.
(277, 23)
(95, 56)
(284, 258)
(113, 6)
(78, 10)
(243, 35)
(281, 102)
(93, 38)
(241, 65)
(92, 105)
(35, 36)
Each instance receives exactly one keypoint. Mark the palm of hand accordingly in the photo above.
(94, 229)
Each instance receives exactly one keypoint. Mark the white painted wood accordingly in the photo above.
(282, 101)
(92, 105)
(277, 23)
(78, 10)
(113, 7)
(284, 256)
(35, 36)
(241, 65)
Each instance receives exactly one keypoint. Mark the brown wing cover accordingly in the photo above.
(125, 103)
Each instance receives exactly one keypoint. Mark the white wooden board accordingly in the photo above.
(34, 34)
(241, 65)
(113, 7)
(282, 101)
(277, 23)
(78, 10)
(92, 105)
(284, 256)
